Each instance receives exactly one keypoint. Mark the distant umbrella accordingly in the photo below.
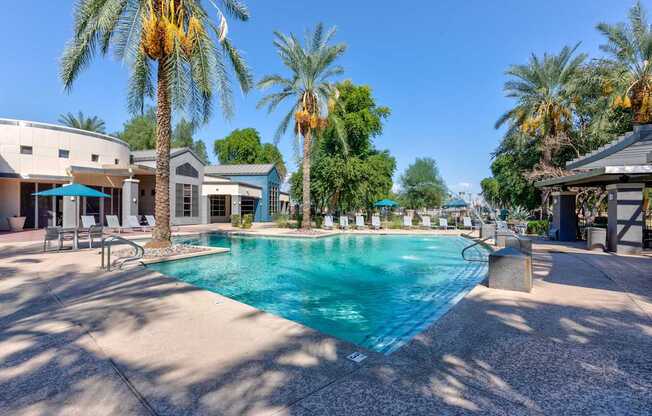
(385, 203)
(455, 203)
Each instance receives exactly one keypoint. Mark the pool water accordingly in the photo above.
(376, 291)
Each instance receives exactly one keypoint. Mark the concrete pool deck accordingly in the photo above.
(74, 340)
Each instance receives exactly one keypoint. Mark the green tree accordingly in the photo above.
(183, 136)
(422, 186)
(308, 87)
(80, 121)
(491, 191)
(244, 146)
(140, 131)
(544, 92)
(188, 49)
(629, 80)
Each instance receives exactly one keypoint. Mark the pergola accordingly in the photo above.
(624, 169)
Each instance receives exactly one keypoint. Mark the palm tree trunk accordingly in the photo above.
(307, 145)
(161, 234)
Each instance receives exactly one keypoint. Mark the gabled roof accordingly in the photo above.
(234, 170)
(150, 154)
(632, 148)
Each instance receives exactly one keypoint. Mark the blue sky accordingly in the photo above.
(439, 65)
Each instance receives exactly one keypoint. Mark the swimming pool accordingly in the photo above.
(376, 291)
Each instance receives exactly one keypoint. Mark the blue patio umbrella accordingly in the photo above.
(455, 203)
(385, 203)
(74, 189)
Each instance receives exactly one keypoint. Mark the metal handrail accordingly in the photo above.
(114, 240)
(473, 245)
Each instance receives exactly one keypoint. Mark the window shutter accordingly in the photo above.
(195, 201)
(178, 199)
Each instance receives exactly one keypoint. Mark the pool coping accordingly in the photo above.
(207, 252)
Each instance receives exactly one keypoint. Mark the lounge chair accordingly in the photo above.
(113, 223)
(133, 223)
(501, 226)
(344, 222)
(443, 224)
(52, 234)
(151, 221)
(469, 224)
(375, 222)
(359, 222)
(328, 222)
(407, 221)
(425, 222)
(88, 221)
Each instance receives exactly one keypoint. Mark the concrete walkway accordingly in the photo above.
(77, 341)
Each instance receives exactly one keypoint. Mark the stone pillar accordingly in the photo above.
(625, 226)
(235, 205)
(203, 209)
(129, 199)
(563, 215)
(71, 211)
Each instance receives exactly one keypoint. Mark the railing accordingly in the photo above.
(114, 240)
(473, 245)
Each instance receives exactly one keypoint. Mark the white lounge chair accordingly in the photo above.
(469, 224)
(151, 221)
(328, 222)
(344, 222)
(375, 222)
(133, 223)
(443, 223)
(425, 222)
(407, 221)
(113, 223)
(359, 222)
(87, 221)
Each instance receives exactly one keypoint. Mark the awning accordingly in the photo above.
(602, 176)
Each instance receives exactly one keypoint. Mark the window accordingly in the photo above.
(186, 200)
(218, 206)
(247, 206)
(273, 199)
(187, 170)
(153, 191)
(95, 158)
(142, 192)
(117, 161)
(25, 150)
(64, 154)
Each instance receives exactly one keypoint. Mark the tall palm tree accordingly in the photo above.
(309, 89)
(629, 82)
(82, 122)
(544, 91)
(189, 51)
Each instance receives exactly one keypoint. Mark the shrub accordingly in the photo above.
(319, 220)
(396, 222)
(281, 220)
(236, 221)
(539, 227)
(247, 220)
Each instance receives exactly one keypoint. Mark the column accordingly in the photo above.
(204, 208)
(129, 199)
(235, 204)
(625, 225)
(564, 221)
(70, 211)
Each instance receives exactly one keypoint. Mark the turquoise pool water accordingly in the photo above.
(374, 291)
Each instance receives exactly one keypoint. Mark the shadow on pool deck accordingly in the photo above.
(136, 342)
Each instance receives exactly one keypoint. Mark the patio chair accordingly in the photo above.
(359, 222)
(469, 224)
(407, 221)
(443, 224)
(113, 223)
(151, 221)
(93, 232)
(425, 222)
(501, 226)
(344, 222)
(328, 222)
(375, 222)
(52, 234)
(133, 223)
(87, 221)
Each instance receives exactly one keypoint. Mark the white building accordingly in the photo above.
(38, 156)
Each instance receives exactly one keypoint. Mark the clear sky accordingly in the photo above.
(439, 65)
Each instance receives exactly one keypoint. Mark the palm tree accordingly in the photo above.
(629, 82)
(82, 122)
(544, 90)
(309, 89)
(189, 51)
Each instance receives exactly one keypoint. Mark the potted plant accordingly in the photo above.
(16, 223)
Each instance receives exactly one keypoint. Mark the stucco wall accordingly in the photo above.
(9, 201)
(264, 182)
(174, 179)
(46, 140)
